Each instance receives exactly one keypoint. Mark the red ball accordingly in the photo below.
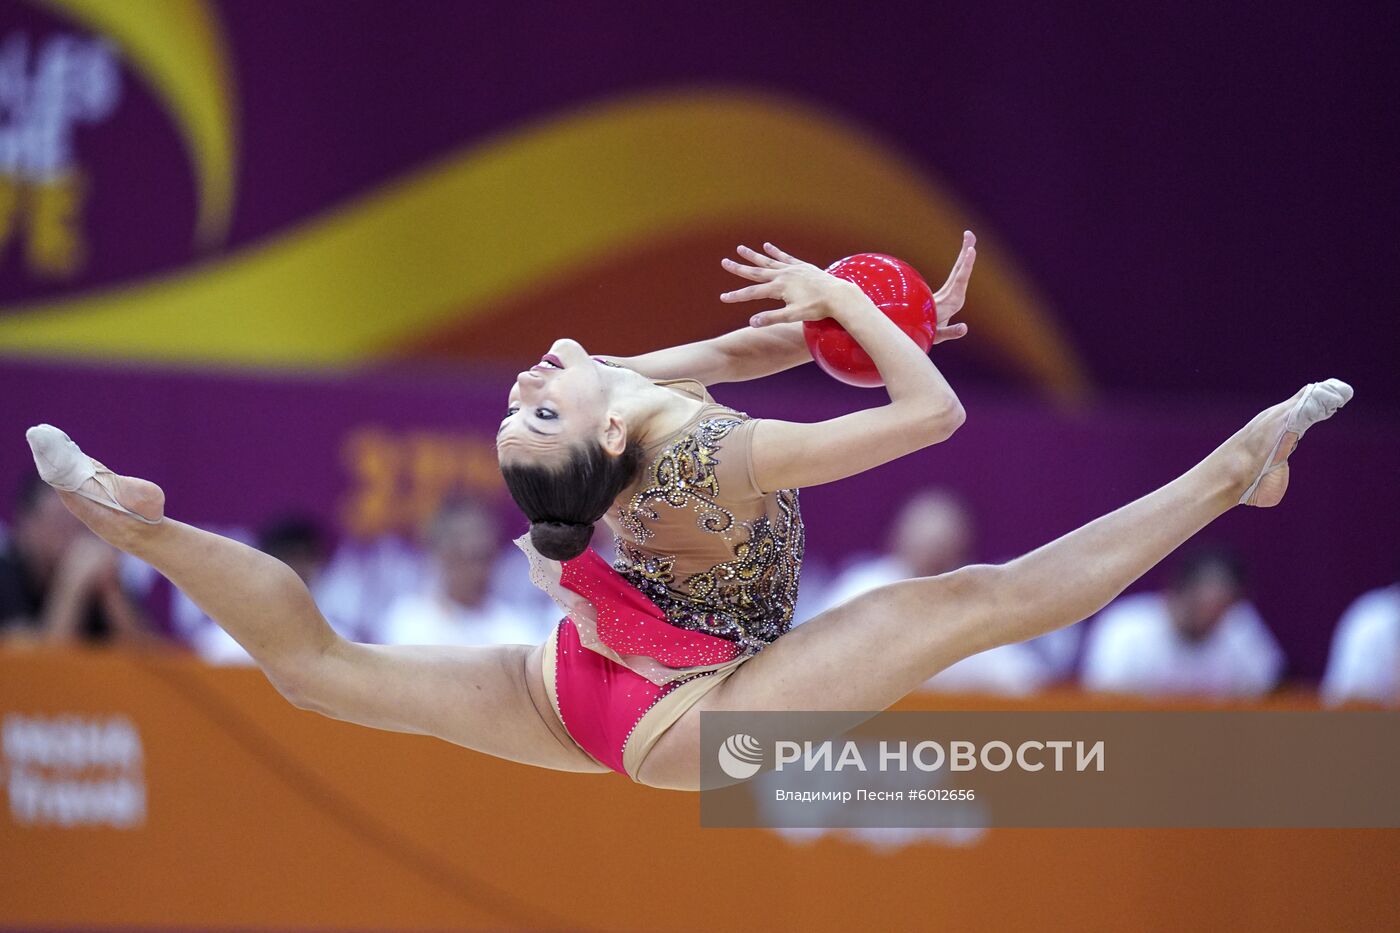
(898, 291)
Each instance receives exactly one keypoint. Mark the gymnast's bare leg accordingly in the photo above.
(490, 699)
(869, 652)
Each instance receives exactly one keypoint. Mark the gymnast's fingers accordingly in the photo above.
(965, 267)
(778, 254)
(757, 258)
(958, 294)
(766, 290)
(778, 316)
(950, 301)
(969, 241)
(752, 273)
(952, 332)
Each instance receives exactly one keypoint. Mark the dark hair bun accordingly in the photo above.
(560, 540)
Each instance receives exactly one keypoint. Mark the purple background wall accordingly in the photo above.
(1205, 193)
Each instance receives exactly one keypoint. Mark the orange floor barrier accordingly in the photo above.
(149, 791)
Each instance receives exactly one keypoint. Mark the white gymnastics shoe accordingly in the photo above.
(63, 465)
(1318, 402)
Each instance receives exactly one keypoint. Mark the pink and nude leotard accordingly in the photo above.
(706, 576)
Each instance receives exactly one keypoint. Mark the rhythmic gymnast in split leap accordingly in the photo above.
(694, 614)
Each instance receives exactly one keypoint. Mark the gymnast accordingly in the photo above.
(695, 612)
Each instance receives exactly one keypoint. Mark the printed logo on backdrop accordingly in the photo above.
(398, 480)
(51, 90)
(73, 771)
(63, 79)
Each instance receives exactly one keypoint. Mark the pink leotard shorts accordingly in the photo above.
(612, 712)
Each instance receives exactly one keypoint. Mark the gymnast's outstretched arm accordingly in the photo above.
(754, 352)
(738, 356)
(922, 408)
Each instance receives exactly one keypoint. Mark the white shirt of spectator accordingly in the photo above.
(1133, 648)
(433, 619)
(1364, 664)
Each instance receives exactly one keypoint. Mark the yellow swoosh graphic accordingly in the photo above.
(499, 217)
(179, 46)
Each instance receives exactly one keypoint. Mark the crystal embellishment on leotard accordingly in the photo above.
(748, 599)
(683, 476)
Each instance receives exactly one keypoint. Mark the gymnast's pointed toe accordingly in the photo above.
(60, 462)
(1315, 402)
(63, 465)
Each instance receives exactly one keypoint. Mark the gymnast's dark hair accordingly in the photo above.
(564, 502)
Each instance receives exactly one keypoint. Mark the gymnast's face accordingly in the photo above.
(565, 399)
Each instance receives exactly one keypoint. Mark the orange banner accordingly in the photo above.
(152, 792)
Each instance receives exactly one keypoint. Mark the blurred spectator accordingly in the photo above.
(458, 605)
(58, 582)
(298, 541)
(1200, 637)
(933, 534)
(363, 578)
(1365, 661)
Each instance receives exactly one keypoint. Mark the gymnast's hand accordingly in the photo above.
(807, 293)
(949, 299)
